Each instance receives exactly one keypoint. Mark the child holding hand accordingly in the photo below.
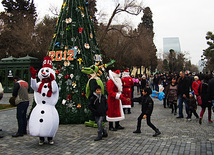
(146, 110)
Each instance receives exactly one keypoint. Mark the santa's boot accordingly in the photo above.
(99, 137)
(129, 110)
(111, 128)
(157, 132)
(118, 126)
(137, 131)
(105, 134)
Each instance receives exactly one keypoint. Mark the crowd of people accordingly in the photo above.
(192, 90)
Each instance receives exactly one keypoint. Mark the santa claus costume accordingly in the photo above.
(127, 82)
(115, 110)
(44, 119)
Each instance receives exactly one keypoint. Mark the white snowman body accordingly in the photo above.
(44, 119)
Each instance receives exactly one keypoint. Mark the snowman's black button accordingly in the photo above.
(45, 86)
(43, 94)
(43, 102)
(42, 112)
(41, 120)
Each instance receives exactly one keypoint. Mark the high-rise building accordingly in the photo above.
(171, 43)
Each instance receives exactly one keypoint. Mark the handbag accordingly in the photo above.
(199, 100)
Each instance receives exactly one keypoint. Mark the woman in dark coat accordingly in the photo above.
(203, 92)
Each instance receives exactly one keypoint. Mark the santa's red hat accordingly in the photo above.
(116, 72)
(47, 62)
(126, 70)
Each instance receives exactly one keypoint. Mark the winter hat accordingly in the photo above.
(116, 72)
(126, 70)
(97, 87)
(192, 93)
(143, 76)
(47, 62)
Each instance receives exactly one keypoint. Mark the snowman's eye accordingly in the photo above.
(42, 70)
(47, 70)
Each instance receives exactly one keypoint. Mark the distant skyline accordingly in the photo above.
(171, 43)
(189, 20)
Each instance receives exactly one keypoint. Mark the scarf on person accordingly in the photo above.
(49, 86)
(98, 96)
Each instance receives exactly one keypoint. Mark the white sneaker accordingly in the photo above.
(51, 142)
(189, 119)
(41, 142)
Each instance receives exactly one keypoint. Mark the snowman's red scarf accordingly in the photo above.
(49, 86)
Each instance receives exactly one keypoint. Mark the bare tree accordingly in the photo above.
(130, 6)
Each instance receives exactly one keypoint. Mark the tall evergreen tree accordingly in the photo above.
(18, 21)
(73, 46)
(146, 37)
(209, 52)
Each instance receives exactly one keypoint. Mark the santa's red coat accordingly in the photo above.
(127, 84)
(115, 110)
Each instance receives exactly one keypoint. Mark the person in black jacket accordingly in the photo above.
(98, 105)
(211, 92)
(146, 111)
(183, 92)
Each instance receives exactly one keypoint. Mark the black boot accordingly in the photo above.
(137, 131)
(99, 137)
(111, 128)
(118, 126)
(129, 110)
(157, 132)
(105, 134)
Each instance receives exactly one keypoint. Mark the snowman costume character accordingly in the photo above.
(44, 119)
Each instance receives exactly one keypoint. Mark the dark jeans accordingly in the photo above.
(148, 120)
(194, 112)
(21, 117)
(180, 105)
(156, 87)
(99, 121)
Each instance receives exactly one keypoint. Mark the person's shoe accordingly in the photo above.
(51, 142)
(0, 129)
(180, 117)
(98, 138)
(17, 135)
(189, 119)
(175, 113)
(105, 134)
(200, 120)
(137, 131)
(210, 121)
(112, 129)
(41, 142)
(157, 132)
(1, 136)
(120, 127)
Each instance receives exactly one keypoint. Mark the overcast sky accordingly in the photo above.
(187, 19)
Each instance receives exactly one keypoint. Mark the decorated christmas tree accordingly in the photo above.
(73, 46)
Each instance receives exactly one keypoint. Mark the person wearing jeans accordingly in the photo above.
(183, 92)
(20, 92)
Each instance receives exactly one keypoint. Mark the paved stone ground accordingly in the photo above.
(178, 136)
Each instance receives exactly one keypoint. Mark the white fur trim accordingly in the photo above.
(117, 83)
(118, 96)
(125, 74)
(126, 106)
(115, 119)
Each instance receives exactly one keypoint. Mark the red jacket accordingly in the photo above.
(195, 86)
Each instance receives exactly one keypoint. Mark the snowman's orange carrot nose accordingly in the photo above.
(43, 73)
